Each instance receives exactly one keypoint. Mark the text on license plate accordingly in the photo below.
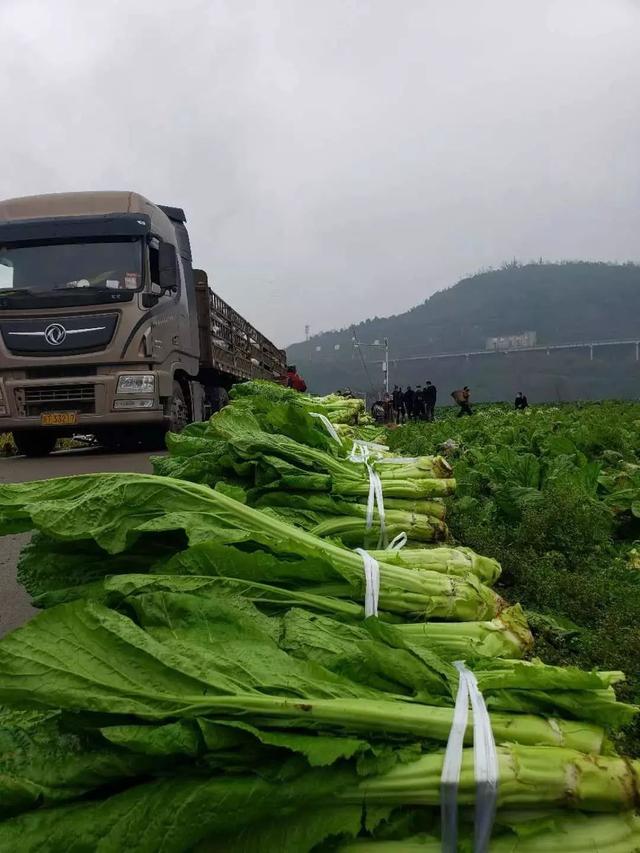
(58, 418)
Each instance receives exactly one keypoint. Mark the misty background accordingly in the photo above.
(337, 160)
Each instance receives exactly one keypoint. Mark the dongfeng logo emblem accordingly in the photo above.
(55, 334)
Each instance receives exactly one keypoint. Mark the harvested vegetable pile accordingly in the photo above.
(284, 454)
(202, 675)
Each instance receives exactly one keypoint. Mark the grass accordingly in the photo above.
(550, 493)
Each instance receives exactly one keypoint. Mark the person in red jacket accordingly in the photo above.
(294, 380)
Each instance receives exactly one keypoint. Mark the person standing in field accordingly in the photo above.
(462, 397)
(387, 405)
(398, 404)
(430, 395)
(521, 402)
(418, 403)
(409, 400)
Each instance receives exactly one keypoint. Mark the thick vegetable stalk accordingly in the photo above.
(530, 777)
(450, 561)
(599, 706)
(557, 833)
(505, 636)
(433, 508)
(419, 721)
(430, 595)
(353, 531)
(415, 489)
(420, 468)
(325, 503)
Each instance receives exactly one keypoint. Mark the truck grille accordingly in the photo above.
(36, 399)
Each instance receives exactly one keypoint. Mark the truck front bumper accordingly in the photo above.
(90, 402)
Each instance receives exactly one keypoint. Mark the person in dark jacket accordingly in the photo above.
(418, 403)
(462, 396)
(430, 395)
(398, 404)
(409, 399)
(521, 402)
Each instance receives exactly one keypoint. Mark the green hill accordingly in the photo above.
(562, 303)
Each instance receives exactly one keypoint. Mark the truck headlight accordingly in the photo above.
(136, 383)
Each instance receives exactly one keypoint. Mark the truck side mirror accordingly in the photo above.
(167, 268)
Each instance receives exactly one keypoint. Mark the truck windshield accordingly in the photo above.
(47, 267)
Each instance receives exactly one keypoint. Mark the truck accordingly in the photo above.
(106, 329)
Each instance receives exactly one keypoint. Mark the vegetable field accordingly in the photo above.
(554, 494)
(270, 645)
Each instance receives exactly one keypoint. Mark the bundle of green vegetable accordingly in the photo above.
(158, 715)
(286, 458)
(115, 510)
(203, 677)
(338, 409)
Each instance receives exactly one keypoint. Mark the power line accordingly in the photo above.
(590, 345)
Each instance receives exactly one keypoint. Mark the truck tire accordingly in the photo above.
(35, 442)
(179, 409)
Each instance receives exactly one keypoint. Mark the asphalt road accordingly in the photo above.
(14, 602)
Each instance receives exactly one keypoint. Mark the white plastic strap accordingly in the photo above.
(485, 760)
(398, 460)
(359, 453)
(324, 420)
(371, 581)
(485, 766)
(451, 766)
(398, 542)
(375, 495)
(371, 445)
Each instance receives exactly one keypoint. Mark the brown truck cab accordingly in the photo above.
(105, 327)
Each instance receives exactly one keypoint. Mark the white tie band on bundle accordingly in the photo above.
(398, 542)
(324, 420)
(371, 581)
(361, 454)
(375, 491)
(485, 760)
(371, 445)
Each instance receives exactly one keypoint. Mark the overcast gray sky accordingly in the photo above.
(336, 159)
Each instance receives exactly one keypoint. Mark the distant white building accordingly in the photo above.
(519, 341)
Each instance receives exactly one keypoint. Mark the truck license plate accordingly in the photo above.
(59, 418)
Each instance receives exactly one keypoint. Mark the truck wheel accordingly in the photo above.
(35, 442)
(179, 412)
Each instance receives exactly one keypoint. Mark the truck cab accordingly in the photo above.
(100, 331)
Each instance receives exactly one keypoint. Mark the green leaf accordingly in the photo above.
(168, 815)
(179, 738)
(319, 750)
(41, 763)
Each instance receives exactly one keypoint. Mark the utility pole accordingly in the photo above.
(386, 365)
(376, 344)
